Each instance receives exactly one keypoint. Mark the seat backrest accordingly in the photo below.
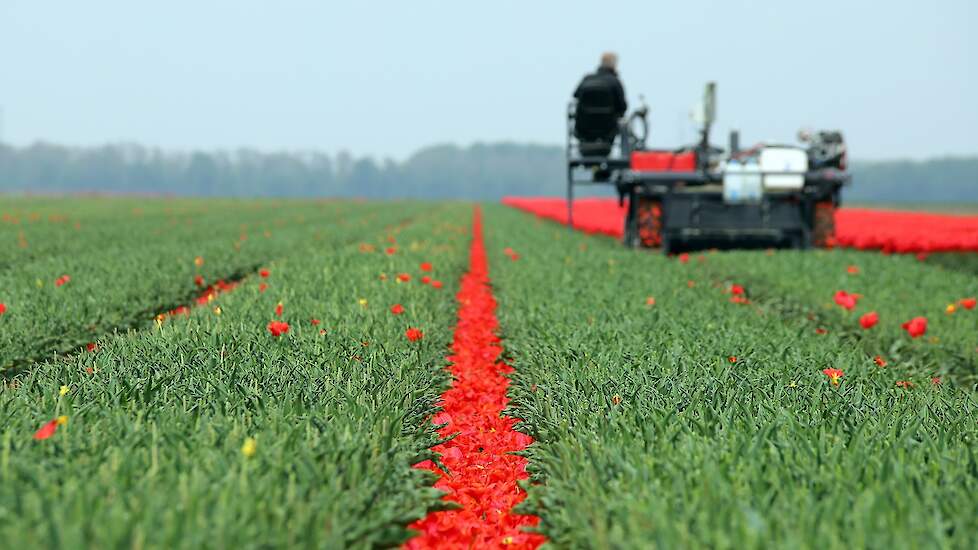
(595, 118)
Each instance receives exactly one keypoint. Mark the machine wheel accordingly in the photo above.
(649, 222)
(797, 241)
(823, 231)
(630, 236)
(665, 243)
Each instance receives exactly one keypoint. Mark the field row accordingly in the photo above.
(287, 412)
(125, 270)
(740, 399)
(670, 407)
(908, 312)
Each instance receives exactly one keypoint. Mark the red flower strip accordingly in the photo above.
(889, 231)
(484, 473)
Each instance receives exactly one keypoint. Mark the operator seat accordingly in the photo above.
(596, 118)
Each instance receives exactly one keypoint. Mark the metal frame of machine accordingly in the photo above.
(675, 209)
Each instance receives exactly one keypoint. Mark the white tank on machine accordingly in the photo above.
(783, 166)
(742, 181)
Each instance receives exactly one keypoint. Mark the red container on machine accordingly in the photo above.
(684, 162)
(663, 161)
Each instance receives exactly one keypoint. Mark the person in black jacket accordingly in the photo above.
(600, 103)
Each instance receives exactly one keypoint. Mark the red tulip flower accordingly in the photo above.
(834, 375)
(48, 429)
(435, 284)
(397, 309)
(264, 273)
(262, 287)
(390, 250)
(880, 362)
(198, 280)
(852, 270)
(3, 308)
(278, 309)
(915, 327)
(314, 322)
(403, 277)
(869, 320)
(278, 328)
(966, 303)
(846, 300)
(62, 280)
(426, 266)
(684, 258)
(736, 290)
(413, 334)
(425, 280)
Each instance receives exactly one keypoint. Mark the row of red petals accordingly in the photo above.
(483, 472)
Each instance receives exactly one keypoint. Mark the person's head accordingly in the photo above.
(609, 60)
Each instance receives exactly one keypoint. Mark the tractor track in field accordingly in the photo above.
(143, 319)
(960, 262)
(478, 441)
(139, 320)
(791, 311)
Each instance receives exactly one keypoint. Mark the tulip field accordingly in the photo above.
(227, 373)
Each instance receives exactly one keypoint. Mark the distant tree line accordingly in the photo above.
(944, 180)
(481, 171)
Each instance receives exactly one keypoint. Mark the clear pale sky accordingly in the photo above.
(386, 78)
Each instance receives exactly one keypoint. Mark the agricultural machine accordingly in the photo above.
(701, 195)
